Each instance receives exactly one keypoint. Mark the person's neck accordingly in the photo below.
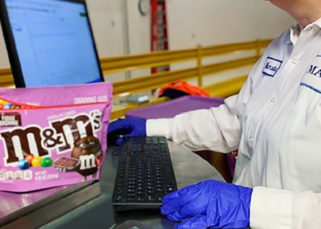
(307, 15)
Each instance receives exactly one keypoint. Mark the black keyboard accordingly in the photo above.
(145, 174)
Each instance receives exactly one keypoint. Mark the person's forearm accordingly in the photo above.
(200, 130)
(158, 127)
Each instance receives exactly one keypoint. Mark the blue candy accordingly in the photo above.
(23, 164)
(7, 106)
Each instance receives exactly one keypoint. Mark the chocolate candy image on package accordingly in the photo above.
(65, 164)
(52, 136)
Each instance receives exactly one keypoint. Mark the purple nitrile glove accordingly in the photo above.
(127, 127)
(210, 203)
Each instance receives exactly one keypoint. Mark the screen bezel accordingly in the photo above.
(11, 45)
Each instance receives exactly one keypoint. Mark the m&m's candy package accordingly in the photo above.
(52, 136)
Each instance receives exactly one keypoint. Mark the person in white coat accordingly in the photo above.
(274, 122)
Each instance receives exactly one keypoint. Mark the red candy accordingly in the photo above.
(29, 158)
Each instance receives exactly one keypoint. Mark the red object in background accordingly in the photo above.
(159, 33)
(154, 27)
(183, 87)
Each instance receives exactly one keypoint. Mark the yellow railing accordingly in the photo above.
(6, 78)
(133, 62)
(153, 81)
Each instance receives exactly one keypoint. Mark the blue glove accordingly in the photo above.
(209, 203)
(128, 127)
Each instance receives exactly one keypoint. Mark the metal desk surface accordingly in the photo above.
(98, 212)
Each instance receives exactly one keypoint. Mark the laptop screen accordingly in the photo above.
(49, 42)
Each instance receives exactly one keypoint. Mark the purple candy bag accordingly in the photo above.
(52, 136)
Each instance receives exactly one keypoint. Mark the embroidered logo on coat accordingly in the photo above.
(271, 66)
(312, 78)
(315, 67)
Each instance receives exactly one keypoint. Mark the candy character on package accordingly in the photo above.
(85, 158)
(88, 151)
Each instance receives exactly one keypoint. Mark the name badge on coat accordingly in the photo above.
(271, 66)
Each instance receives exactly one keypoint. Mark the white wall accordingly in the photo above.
(208, 22)
(107, 19)
(138, 32)
(4, 62)
(109, 24)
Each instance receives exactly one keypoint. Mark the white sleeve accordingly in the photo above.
(214, 129)
(282, 209)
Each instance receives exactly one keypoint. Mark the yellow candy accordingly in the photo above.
(2, 102)
(36, 161)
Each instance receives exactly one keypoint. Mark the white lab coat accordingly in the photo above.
(275, 123)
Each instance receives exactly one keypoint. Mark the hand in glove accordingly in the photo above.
(127, 127)
(209, 203)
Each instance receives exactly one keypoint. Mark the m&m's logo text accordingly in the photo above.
(39, 141)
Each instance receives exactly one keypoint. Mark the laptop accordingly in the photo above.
(49, 42)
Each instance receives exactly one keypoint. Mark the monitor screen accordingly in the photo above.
(49, 42)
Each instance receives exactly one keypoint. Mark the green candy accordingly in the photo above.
(46, 162)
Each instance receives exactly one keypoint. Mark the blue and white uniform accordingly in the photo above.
(275, 123)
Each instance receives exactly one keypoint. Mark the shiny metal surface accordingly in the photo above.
(12, 202)
(189, 167)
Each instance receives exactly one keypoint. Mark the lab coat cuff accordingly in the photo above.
(158, 127)
(271, 208)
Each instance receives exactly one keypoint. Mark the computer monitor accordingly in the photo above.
(49, 42)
